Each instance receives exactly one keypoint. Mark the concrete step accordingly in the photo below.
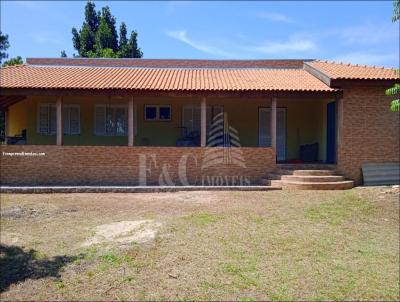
(274, 183)
(312, 178)
(314, 172)
(333, 185)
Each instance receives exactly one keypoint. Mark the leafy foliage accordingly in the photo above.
(63, 54)
(13, 61)
(4, 45)
(395, 90)
(396, 10)
(98, 36)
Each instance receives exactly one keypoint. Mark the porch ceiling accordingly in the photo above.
(6, 101)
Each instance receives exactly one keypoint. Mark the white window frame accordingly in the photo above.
(113, 106)
(158, 113)
(67, 106)
(48, 105)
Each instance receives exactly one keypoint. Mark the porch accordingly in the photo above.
(300, 129)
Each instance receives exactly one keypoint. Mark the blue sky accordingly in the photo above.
(356, 32)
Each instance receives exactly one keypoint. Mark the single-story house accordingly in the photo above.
(80, 121)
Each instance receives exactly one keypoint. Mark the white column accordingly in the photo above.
(60, 123)
(273, 123)
(131, 124)
(203, 128)
(6, 125)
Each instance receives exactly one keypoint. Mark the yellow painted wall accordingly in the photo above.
(17, 118)
(306, 121)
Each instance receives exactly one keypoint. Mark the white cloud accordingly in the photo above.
(366, 58)
(293, 44)
(276, 17)
(181, 35)
(368, 34)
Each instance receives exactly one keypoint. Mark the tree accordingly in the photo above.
(98, 36)
(13, 61)
(396, 10)
(104, 36)
(122, 35)
(134, 50)
(87, 40)
(4, 45)
(63, 54)
(91, 16)
(395, 90)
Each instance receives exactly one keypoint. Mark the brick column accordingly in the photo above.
(131, 124)
(60, 123)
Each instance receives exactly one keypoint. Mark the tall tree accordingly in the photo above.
(87, 40)
(98, 36)
(134, 50)
(91, 16)
(395, 90)
(63, 54)
(104, 36)
(122, 34)
(4, 45)
(76, 40)
(110, 20)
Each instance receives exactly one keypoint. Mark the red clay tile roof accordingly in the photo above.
(336, 71)
(168, 63)
(159, 79)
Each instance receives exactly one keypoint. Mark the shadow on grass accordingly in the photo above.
(18, 265)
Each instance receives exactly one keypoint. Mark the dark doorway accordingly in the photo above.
(331, 133)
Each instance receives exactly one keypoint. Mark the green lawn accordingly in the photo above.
(278, 245)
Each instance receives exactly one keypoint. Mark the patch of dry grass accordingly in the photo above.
(277, 245)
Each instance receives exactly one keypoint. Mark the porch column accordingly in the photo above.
(131, 124)
(203, 128)
(273, 123)
(60, 124)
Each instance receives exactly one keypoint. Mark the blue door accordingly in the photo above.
(331, 133)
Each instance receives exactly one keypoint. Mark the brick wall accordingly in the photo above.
(370, 130)
(116, 165)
